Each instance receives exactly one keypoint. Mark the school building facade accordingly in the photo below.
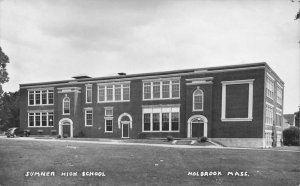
(238, 105)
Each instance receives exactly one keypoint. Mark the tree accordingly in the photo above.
(9, 110)
(3, 73)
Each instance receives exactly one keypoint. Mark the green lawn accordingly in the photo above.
(139, 165)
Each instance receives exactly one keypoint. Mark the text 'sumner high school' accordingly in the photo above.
(238, 105)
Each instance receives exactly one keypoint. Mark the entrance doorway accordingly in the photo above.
(197, 126)
(125, 123)
(65, 127)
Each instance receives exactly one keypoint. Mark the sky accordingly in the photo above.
(48, 40)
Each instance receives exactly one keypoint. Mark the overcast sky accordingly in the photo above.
(50, 40)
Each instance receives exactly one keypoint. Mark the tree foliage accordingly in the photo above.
(9, 110)
(3, 72)
(291, 136)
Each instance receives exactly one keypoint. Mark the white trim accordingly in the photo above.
(200, 79)
(90, 88)
(41, 97)
(270, 104)
(123, 131)
(41, 120)
(202, 97)
(108, 108)
(112, 124)
(63, 105)
(120, 117)
(280, 86)
(161, 105)
(85, 117)
(62, 122)
(189, 123)
(250, 100)
(160, 81)
(271, 77)
(113, 83)
(113, 92)
(199, 83)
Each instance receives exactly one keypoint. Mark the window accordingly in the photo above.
(40, 119)
(279, 95)
(108, 125)
(269, 114)
(114, 92)
(278, 117)
(270, 87)
(40, 97)
(88, 93)
(237, 100)
(166, 89)
(268, 138)
(161, 119)
(66, 106)
(108, 111)
(88, 117)
(198, 100)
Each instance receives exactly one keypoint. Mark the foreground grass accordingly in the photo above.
(139, 165)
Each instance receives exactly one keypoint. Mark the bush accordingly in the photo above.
(202, 139)
(142, 135)
(58, 136)
(170, 138)
(80, 135)
(291, 136)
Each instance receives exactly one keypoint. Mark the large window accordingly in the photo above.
(269, 114)
(113, 92)
(66, 106)
(161, 119)
(88, 94)
(278, 117)
(166, 89)
(270, 87)
(198, 100)
(88, 117)
(40, 119)
(40, 97)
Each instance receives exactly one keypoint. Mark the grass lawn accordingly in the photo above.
(141, 165)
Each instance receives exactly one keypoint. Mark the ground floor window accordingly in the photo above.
(278, 138)
(268, 138)
(108, 125)
(40, 119)
(161, 119)
(88, 117)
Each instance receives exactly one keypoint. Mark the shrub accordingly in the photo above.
(80, 135)
(170, 138)
(58, 136)
(202, 139)
(142, 135)
(291, 136)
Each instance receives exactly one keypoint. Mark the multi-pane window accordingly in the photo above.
(198, 100)
(40, 119)
(270, 87)
(66, 105)
(114, 92)
(88, 93)
(88, 117)
(108, 125)
(279, 95)
(40, 97)
(166, 89)
(278, 117)
(269, 114)
(164, 119)
(108, 111)
(268, 138)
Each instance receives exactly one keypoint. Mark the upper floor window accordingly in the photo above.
(40, 97)
(278, 117)
(88, 117)
(114, 92)
(40, 119)
(66, 106)
(270, 87)
(198, 100)
(279, 95)
(88, 93)
(161, 89)
(269, 114)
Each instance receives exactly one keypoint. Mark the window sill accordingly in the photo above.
(108, 132)
(155, 99)
(235, 119)
(41, 105)
(39, 126)
(113, 101)
(88, 125)
(159, 131)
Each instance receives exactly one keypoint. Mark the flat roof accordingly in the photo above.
(208, 69)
